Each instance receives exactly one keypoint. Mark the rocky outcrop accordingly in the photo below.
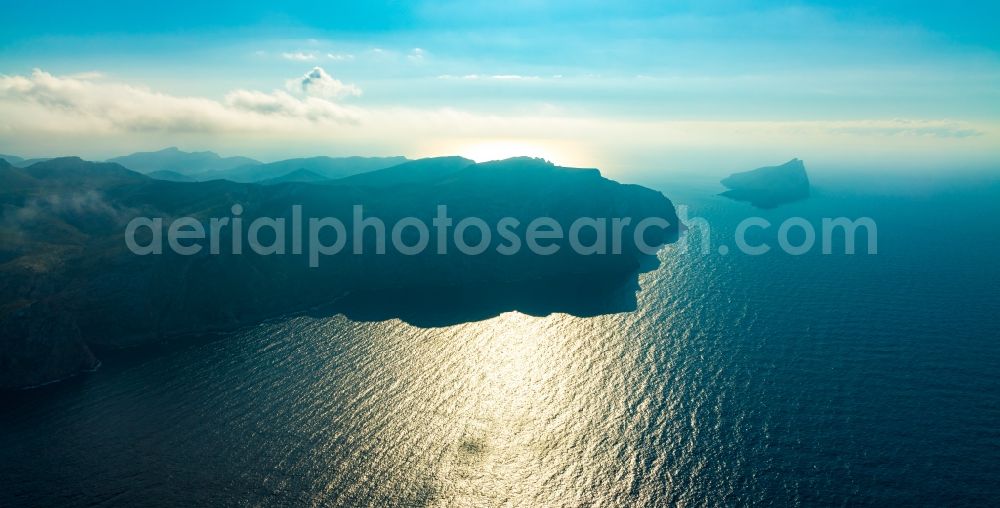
(769, 186)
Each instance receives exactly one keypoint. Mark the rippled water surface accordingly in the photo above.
(738, 380)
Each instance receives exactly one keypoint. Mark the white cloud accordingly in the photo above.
(500, 77)
(44, 114)
(42, 102)
(417, 55)
(281, 103)
(320, 84)
(381, 54)
(512, 77)
(87, 75)
(340, 57)
(299, 56)
(907, 128)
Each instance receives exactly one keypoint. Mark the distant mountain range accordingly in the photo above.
(175, 165)
(21, 162)
(170, 176)
(178, 161)
(328, 168)
(299, 175)
(69, 286)
(411, 172)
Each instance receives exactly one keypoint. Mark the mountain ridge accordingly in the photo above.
(70, 287)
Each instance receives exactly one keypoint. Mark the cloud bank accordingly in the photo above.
(91, 115)
(43, 102)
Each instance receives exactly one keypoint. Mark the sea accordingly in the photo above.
(730, 379)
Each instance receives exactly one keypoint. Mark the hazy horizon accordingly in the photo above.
(900, 87)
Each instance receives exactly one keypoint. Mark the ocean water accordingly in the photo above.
(774, 379)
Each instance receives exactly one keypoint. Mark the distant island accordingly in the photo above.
(70, 288)
(769, 186)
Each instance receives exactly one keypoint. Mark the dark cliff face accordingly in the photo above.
(69, 282)
(41, 344)
(770, 186)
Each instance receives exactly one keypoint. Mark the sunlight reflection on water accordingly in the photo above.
(737, 380)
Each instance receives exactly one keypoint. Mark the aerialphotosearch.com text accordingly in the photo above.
(327, 236)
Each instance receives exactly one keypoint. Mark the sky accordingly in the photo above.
(650, 86)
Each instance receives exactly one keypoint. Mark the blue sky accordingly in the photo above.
(641, 85)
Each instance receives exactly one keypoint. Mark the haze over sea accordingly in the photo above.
(773, 379)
